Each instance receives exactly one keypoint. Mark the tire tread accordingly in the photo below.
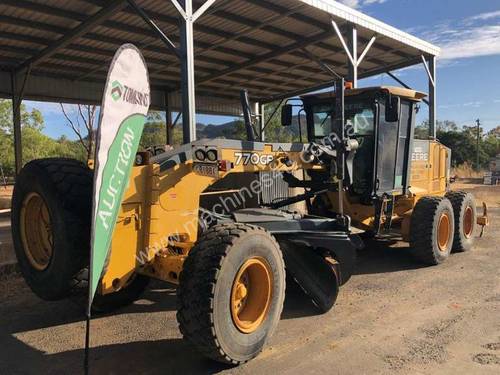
(197, 285)
(72, 185)
(457, 199)
(421, 229)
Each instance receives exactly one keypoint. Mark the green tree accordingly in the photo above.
(495, 132)
(275, 132)
(35, 144)
(153, 134)
(29, 119)
(82, 123)
(237, 131)
(422, 131)
(461, 144)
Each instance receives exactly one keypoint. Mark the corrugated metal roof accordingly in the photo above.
(252, 44)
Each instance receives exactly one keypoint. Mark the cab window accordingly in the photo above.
(359, 116)
(322, 118)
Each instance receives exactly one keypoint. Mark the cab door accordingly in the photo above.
(393, 149)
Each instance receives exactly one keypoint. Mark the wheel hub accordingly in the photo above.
(468, 222)
(251, 294)
(36, 231)
(444, 231)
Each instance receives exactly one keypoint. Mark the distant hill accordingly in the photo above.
(226, 130)
(236, 129)
(154, 132)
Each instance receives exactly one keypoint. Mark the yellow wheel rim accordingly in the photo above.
(468, 222)
(444, 230)
(251, 294)
(36, 231)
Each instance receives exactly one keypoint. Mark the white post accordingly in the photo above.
(187, 75)
(432, 97)
(353, 63)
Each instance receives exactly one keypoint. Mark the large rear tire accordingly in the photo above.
(231, 292)
(432, 229)
(51, 218)
(51, 224)
(464, 209)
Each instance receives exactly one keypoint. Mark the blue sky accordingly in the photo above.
(468, 70)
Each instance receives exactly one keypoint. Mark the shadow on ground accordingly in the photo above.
(385, 255)
(151, 357)
(144, 357)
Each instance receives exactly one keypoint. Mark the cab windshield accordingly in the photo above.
(358, 115)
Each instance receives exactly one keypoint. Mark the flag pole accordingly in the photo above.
(87, 346)
(124, 107)
(88, 311)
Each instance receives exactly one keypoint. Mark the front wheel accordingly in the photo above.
(231, 292)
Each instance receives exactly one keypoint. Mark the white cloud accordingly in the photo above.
(51, 108)
(45, 107)
(350, 3)
(485, 16)
(368, 2)
(448, 106)
(480, 41)
(475, 104)
(356, 4)
(474, 36)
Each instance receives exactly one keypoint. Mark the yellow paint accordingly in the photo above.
(158, 221)
(428, 177)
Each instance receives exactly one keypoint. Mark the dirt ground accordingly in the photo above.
(393, 317)
(5, 196)
(482, 193)
(6, 250)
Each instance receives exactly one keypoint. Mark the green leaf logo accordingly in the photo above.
(116, 90)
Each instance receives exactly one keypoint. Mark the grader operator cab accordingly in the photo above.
(360, 167)
(394, 182)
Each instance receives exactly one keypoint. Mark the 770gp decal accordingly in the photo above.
(252, 158)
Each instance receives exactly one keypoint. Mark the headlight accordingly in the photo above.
(200, 155)
(139, 159)
(212, 155)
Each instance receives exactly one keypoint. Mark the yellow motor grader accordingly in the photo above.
(196, 217)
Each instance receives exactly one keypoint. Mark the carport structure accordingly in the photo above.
(200, 54)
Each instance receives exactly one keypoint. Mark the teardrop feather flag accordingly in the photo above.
(123, 113)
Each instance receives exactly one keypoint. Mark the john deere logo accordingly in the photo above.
(116, 90)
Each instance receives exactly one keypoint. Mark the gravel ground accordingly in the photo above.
(393, 317)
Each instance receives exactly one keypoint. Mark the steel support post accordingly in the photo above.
(257, 120)
(187, 74)
(432, 95)
(16, 120)
(262, 122)
(351, 49)
(168, 120)
(352, 61)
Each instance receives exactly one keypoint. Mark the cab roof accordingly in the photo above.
(393, 90)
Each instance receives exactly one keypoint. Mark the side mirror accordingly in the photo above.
(286, 115)
(392, 108)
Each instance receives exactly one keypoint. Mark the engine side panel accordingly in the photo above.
(430, 168)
